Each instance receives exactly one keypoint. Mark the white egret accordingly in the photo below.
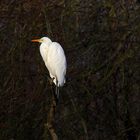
(54, 58)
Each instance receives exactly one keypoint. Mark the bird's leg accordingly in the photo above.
(57, 90)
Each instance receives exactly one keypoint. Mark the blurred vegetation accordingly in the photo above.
(101, 39)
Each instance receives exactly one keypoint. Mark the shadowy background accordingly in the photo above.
(101, 39)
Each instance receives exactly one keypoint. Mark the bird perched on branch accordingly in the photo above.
(55, 60)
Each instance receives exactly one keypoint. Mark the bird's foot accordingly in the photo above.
(51, 80)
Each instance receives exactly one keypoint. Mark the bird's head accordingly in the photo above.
(42, 40)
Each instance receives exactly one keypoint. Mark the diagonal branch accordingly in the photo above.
(51, 116)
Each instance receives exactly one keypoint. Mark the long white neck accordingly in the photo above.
(44, 47)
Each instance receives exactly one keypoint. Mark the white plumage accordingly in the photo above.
(54, 58)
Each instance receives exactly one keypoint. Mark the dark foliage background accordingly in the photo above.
(101, 39)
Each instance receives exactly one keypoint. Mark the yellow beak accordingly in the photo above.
(36, 40)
